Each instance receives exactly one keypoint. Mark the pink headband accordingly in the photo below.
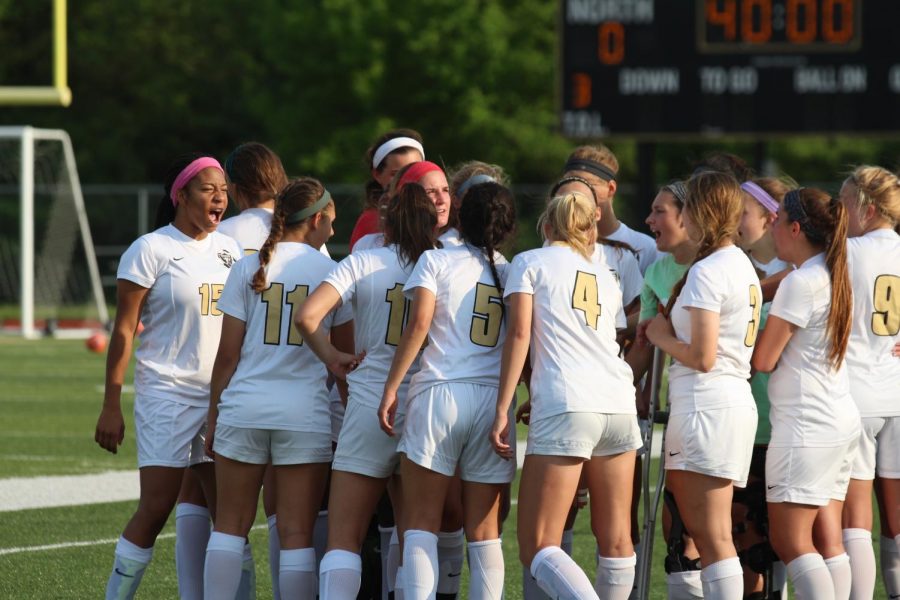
(416, 172)
(761, 196)
(189, 172)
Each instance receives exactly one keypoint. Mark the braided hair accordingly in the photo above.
(487, 219)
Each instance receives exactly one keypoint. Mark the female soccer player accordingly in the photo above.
(713, 314)
(461, 181)
(170, 280)
(390, 153)
(457, 304)
(268, 400)
(871, 196)
(815, 424)
(371, 282)
(567, 306)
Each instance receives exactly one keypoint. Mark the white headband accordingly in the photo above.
(391, 145)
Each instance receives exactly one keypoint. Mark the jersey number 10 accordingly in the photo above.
(275, 299)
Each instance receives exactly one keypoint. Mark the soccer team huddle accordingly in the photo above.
(385, 385)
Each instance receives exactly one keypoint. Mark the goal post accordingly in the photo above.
(63, 272)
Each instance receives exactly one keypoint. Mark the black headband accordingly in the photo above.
(589, 166)
(794, 207)
(570, 179)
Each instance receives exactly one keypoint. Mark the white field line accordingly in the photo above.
(66, 545)
(21, 493)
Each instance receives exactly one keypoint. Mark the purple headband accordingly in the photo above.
(761, 196)
(189, 172)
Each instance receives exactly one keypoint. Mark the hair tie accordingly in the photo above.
(189, 172)
(761, 196)
(416, 172)
(595, 168)
(473, 180)
(310, 210)
(395, 144)
(573, 179)
(796, 213)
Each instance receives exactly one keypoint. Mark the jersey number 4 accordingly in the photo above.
(487, 316)
(586, 298)
(886, 317)
(275, 300)
(753, 325)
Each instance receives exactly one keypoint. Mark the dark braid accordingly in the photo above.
(297, 195)
(487, 219)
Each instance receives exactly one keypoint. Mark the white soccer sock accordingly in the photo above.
(399, 584)
(450, 556)
(684, 585)
(274, 554)
(486, 570)
(723, 580)
(420, 564)
(810, 577)
(530, 588)
(192, 529)
(247, 588)
(858, 543)
(568, 541)
(297, 573)
(560, 576)
(392, 561)
(128, 568)
(634, 586)
(889, 556)
(779, 579)
(615, 577)
(222, 573)
(839, 568)
(320, 536)
(340, 575)
(384, 538)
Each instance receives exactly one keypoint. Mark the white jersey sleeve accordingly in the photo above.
(625, 268)
(643, 244)
(810, 399)
(874, 261)
(724, 283)
(574, 355)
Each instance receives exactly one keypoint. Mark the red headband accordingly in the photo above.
(416, 172)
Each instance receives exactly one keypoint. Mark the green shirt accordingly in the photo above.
(659, 279)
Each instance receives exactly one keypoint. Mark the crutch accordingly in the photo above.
(651, 506)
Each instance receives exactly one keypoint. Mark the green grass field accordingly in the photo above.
(50, 395)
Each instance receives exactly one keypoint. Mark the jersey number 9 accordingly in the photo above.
(886, 317)
(275, 300)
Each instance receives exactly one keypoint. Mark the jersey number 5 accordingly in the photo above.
(886, 317)
(275, 300)
(398, 315)
(586, 298)
(753, 325)
(487, 317)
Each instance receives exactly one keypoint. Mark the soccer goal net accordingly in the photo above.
(49, 281)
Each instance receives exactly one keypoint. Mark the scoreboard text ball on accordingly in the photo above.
(681, 67)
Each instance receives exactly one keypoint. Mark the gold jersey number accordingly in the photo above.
(886, 316)
(398, 315)
(275, 300)
(586, 298)
(209, 297)
(753, 325)
(487, 317)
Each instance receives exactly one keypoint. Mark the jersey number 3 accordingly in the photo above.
(487, 317)
(275, 299)
(886, 317)
(753, 325)
(586, 298)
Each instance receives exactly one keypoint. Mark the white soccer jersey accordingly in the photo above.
(875, 277)
(182, 323)
(725, 283)
(776, 265)
(371, 283)
(279, 383)
(251, 229)
(811, 403)
(624, 267)
(643, 244)
(467, 332)
(450, 238)
(574, 354)
(368, 242)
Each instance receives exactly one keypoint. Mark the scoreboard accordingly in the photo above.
(685, 67)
